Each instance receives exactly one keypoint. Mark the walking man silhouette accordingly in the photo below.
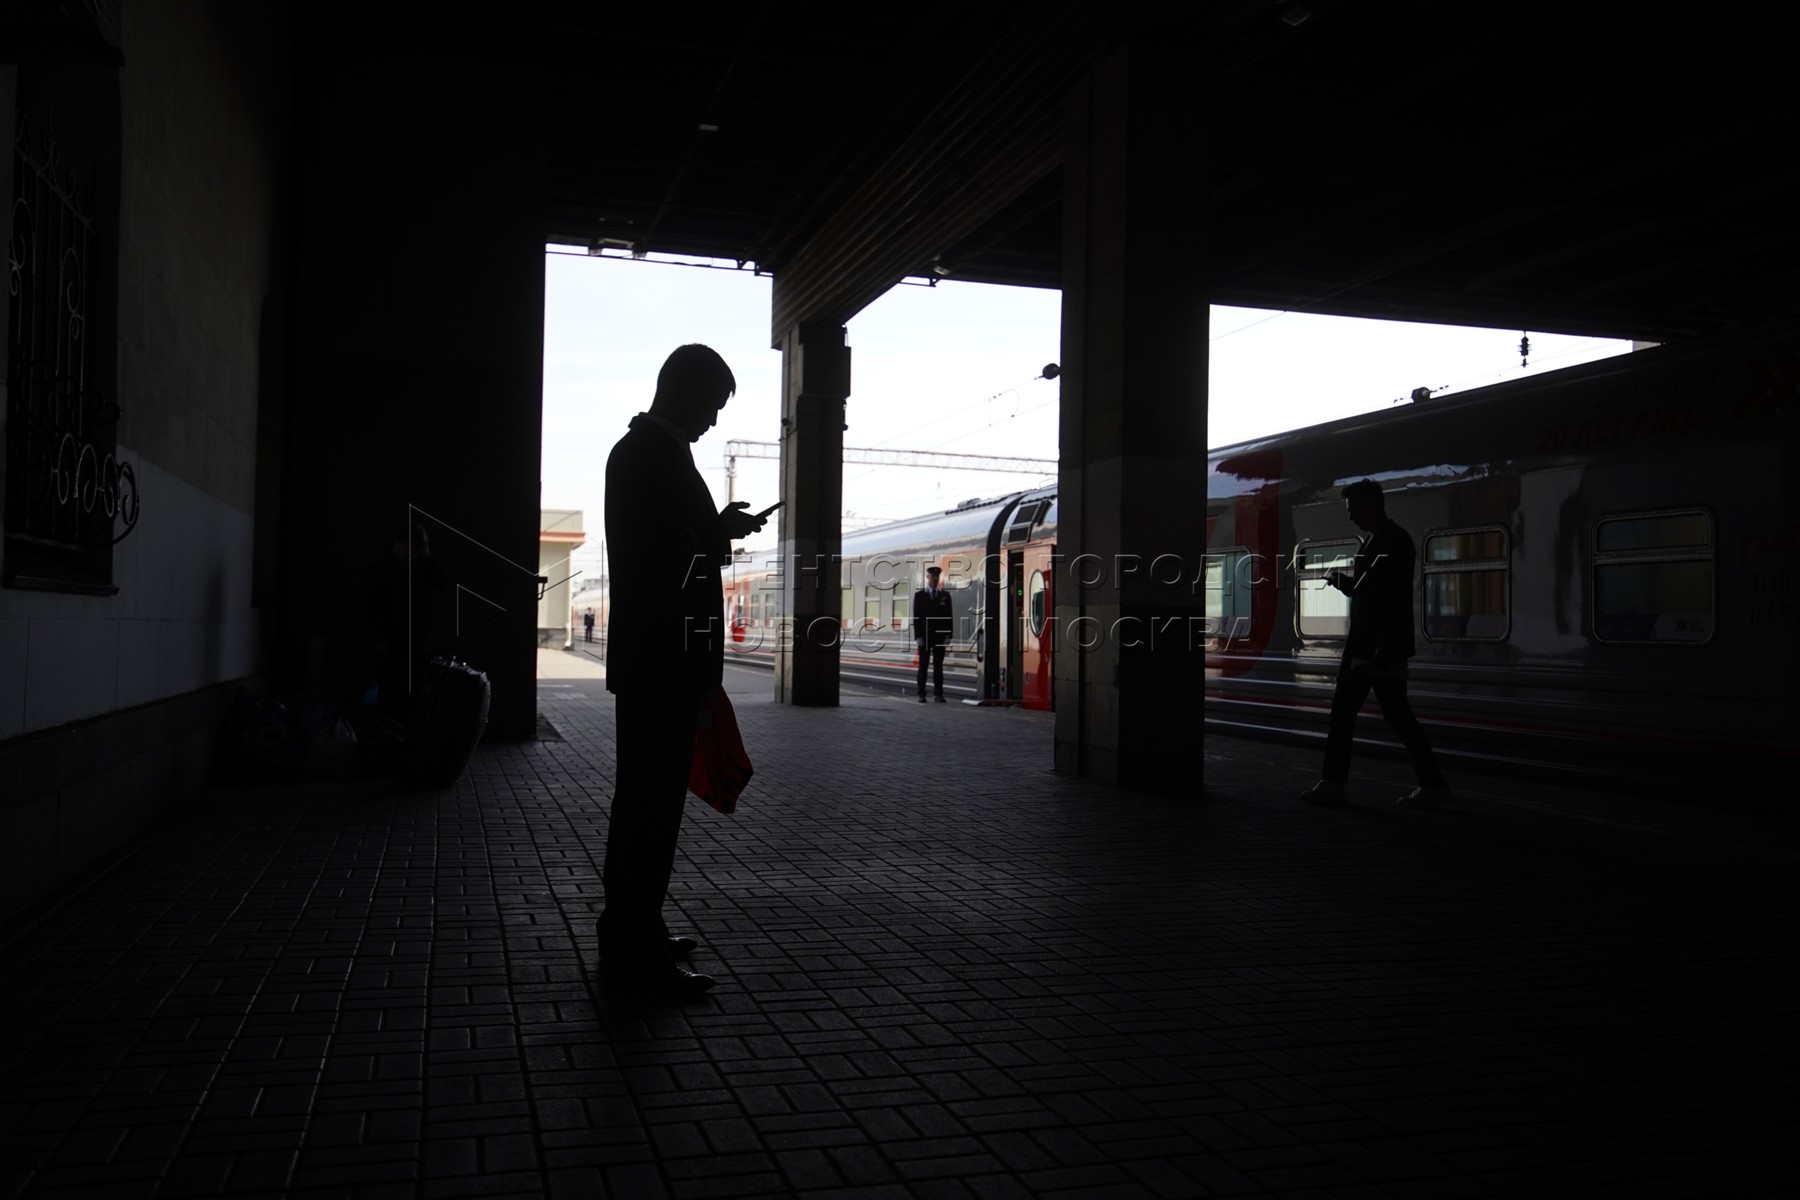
(1376, 647)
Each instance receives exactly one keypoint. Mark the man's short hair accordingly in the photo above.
(692, 370)
(1366, 493)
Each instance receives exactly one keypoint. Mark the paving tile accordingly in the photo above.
(1010, 984)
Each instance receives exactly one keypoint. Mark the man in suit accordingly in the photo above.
(666, 648)
(933, 620)
(1379, 641)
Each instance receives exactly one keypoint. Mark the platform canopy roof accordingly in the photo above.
(1622, 169)
(1612, 168)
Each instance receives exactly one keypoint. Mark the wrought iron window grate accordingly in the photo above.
(68, 497)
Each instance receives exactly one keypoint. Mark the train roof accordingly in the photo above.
(1649, 374)
(969, 522)
(1411, 411)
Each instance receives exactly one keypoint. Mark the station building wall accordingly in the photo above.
(109, 703)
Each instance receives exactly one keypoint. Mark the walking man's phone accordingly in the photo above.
(765, 512)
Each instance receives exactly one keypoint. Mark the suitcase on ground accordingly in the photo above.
(451, 714)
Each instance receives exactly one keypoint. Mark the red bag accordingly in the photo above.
(720, 769)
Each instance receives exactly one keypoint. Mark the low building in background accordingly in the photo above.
(559, 536)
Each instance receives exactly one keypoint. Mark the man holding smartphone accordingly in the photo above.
(1376, 648)
(666, 647)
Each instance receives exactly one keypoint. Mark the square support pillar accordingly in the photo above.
(816, 383)
(1132, 493)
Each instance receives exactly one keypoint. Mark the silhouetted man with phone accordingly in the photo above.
(1376, 647)
(666, 642)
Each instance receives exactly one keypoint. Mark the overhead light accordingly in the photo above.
(940, 270)
(708, 127)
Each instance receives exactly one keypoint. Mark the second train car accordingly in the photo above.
(996, 560)
(1608, 577)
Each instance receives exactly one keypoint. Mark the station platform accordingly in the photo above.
(943, 971)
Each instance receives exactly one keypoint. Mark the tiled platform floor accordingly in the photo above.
(943, 971)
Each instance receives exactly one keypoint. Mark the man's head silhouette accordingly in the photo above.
(1365, 504)
(691, 388)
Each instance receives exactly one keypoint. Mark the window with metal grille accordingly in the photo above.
(68, 498)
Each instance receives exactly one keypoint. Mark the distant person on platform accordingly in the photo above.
(665, 636)
(933, 620)
(1376, 647)
(587, 625)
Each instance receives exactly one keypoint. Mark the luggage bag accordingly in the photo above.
(451, 713)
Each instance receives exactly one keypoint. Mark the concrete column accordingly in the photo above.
(1131, 510)
(417, 388)
(816, 382)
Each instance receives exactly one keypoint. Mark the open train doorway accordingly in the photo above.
(1015, 626)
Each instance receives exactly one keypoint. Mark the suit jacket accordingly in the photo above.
(665, 544)
(933, 620)
(1381, 598)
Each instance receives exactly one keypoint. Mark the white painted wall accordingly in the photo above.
(181, 619)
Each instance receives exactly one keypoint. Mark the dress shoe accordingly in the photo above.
(921, 699)
(663, 979)
(1327, 793)
(940, 700)
(1434, 796)
(679, 947)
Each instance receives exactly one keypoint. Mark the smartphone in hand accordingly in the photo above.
(765, 512)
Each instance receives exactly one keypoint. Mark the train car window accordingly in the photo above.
(1228, 579)
(871, 607)
(1037, 592)
(1018, 530)
(902, 610)
(1662, 531)
(1467, 597)
(1460, 545)
(1321, 611)
(847, 609)
(1654, 579)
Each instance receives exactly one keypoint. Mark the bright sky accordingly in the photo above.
(952, 368)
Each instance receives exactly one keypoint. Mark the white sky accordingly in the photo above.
(951, 368)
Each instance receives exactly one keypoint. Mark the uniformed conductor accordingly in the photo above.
(933, 621)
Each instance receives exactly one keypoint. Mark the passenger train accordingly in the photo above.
(995, 556)
(1607, 580)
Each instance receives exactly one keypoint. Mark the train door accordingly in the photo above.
(1014, 640)
(1038, 636)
